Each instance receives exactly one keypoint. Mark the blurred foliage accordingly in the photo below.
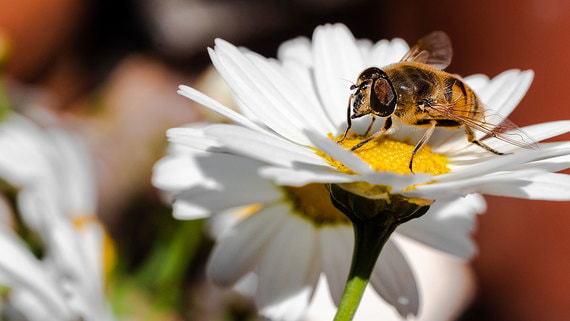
(156, 255)
(30, 237)
(5, 106)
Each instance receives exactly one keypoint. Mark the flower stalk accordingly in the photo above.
(373, 221)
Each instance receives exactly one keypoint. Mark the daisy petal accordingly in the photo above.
(176, 173)
(447, 225)
(394, 280)
(23, 270)
(386, 52)
(502, 163)
(190, 137)
(184, 210)
(336, 249)
(537, 132)
(207, 202)
(336, 59)
(268, 148)
(288, 271)
(256, 92)
(238, 250)
(338, 153)
(297, 50)
(506, 90)
(513, 184)
(545, 186)
(476, 82)
(287, 90)
(302, 175)
(217, 107)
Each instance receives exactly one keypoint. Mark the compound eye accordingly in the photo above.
(382, 98)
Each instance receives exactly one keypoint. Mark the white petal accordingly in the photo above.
(393, 279)
(551, 164)
(476, 82)
(75, 173)
(176, 173)
(206, 202)
(302, 175)
(506, 90)
(217, 107)
(184, 210)
(447, 225)
(190, 137)
(537, 132)
(337, 244)
(76, 254)
(501, 184)
(446, 283)
(267, 148)
(288, 270)
(303, 77)
(297, 50)
(301, 105)
(250, 87)
(499, 163)
(237, 251)
(24, 148)
(545, 186)
(337, 59)
(281, 92)
(386, 52)
(24, 270)
(26, 305)
(396, 181)
(195, 171)
(212, 182)
(338, 153)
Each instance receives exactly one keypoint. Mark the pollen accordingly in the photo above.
(312, 202)
(387, 154)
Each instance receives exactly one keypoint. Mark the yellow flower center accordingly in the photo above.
(109, 255)
(386, 154)
(313, 202)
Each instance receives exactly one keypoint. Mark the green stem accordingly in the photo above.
(373, 221)
(369, 241)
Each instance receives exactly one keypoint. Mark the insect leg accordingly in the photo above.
(387, 125)
(348, 121)
(370, 126)
(422, 141)
(472, 139)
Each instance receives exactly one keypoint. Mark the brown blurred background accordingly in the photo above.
(110, 70)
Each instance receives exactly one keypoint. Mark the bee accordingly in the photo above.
(417, 92)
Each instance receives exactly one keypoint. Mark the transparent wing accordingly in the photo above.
(492, 124)
(432, 49)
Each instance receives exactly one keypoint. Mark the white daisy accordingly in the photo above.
(289, 236)
(279, 151)
(56, 202)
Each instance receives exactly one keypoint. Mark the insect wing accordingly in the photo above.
(432, 49)
(492, 124)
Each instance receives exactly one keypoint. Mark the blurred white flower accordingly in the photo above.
(56, 201)
(270, 163)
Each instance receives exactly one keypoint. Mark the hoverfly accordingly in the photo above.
(419, 93)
